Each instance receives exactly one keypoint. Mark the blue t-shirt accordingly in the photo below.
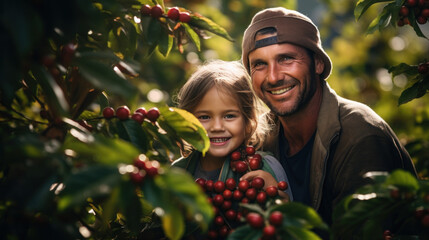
(297, 168)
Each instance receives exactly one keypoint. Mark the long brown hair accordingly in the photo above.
(232, 78)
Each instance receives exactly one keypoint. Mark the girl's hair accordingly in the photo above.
(231, 78)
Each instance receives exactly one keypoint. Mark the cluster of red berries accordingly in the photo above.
(226, 196)
(139, 115)
(65, 58)
(423, 67)
(422, 214)
(420, 9)
(143, 168)
(173, 13)
(246, 160)
(275, 220)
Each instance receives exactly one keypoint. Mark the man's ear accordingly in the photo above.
(319, 64)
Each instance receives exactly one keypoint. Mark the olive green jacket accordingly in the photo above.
(351, 140)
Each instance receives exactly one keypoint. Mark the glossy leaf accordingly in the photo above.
(245, 232)
(417, 90)
(207, 24)
(363, 5)
(52, 90)
(186, 126)
(165, 44)
(192, 35)
(130, 205)
(133, 132)
(307, 216)
(403, 179)
(103, 77)
(92, 182)
(302, 234)
(104, 150)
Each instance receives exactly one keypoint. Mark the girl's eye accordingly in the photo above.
(230, 116)
(203, 117)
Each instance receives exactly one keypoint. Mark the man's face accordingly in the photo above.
(284, 76)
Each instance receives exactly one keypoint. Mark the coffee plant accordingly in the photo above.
(400, 13)
(394, 206)
(74, 166)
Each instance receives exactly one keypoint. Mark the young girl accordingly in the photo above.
(220, 96)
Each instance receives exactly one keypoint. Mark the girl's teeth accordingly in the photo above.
(218, 140)
(280, 91)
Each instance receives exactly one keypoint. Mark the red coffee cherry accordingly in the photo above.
(243, 185)
(218, 200)
(122, 112)
(395, 194)
(108, 112)
(152, 168)
(137, 177)
(173, 13)
(156, 11)
(230, 214)
(235, 156)
(261, 197)
(219, 221)
(230, 184)
(250, 150)
(227, 194)
(282, 185)
(254, 163)
(423, 68)
(258, 183)
(255, 220)
(219, 186)
(153, 114)
(138, 117)
(209, 185)
(227, 204)
(237, 195)
(145, 10)
(404, 11)
(185, 17)
(251, 193)
(269, 232)
(271, 191)
(276, 218)
(240, 166)
(425, 221)
(141, 110)
(201, 182)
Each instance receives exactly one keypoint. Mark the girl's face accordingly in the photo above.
(220, 115)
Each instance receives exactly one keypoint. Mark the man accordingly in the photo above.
(324, 142)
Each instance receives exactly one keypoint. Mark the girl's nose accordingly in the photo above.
(217, 125)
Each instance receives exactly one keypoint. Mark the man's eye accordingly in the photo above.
(285, 59)
(258, 66)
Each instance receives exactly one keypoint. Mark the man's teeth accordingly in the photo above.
(218, 140)
(280, 91)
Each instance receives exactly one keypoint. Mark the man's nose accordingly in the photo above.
(274, 75)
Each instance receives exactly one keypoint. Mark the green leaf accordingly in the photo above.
(192, 35)
(302, 233)
(204, 23)
(245, 232)
(307, 215)
(132, 131)
(92, 182)
(382, 20)
(52, 90)
(417, 90)
(363, 5)
(165, 44)
(173, 224)
(103, 150)
(403, 179)
(131, 206)
(185, 125)
(403, 68)
(102, 76)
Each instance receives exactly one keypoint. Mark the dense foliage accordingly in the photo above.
(70, 170)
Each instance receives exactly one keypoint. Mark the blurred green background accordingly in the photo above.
(360, 61)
